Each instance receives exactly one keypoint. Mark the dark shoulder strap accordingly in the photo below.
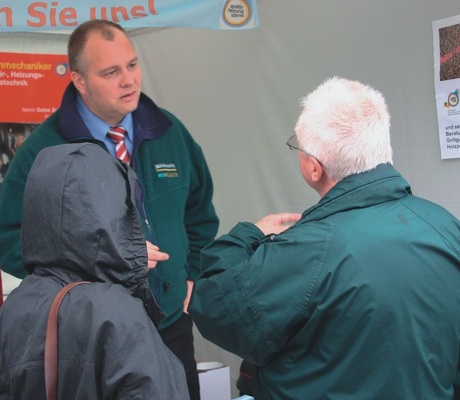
(1, 289)
(51, 342)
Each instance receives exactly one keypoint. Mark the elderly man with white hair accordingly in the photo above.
(359, 296)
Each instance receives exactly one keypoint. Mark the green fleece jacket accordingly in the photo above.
(176, 190)
(358, 300)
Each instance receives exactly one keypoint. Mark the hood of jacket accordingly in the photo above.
(80, 217)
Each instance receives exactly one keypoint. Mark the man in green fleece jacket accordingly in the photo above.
(175, 200)
(359, 298)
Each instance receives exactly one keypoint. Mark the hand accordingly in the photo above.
(189, 294)
(277, 223)
(154, 255)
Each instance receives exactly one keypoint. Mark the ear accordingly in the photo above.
(78, 81)
(317, 170)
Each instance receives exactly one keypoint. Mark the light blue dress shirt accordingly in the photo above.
(99, 128)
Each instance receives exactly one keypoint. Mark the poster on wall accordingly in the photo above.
(30, 15)
(32, 86)
(446, 38)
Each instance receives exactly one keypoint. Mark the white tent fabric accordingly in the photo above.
(238, 93)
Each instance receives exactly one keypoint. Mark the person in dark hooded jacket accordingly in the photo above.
(80, 223)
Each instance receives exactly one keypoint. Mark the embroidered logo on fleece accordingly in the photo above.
(166, 170)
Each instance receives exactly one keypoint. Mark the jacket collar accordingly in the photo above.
(150, 121)
(366, 189)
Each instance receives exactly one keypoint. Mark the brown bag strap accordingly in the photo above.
(51, 342)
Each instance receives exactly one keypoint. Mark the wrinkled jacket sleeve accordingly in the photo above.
(239, 301)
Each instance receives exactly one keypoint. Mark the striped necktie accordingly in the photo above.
(117, 134)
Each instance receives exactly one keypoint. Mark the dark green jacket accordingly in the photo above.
(176, 184)
(358, 300)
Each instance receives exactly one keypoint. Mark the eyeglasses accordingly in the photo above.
(293, 144)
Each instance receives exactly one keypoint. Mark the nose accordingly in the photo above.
(128, 78)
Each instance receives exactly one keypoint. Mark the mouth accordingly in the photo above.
(129, 96)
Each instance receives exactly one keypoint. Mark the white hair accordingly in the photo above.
(346, 126)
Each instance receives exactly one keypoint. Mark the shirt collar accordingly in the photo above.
(97, 126)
